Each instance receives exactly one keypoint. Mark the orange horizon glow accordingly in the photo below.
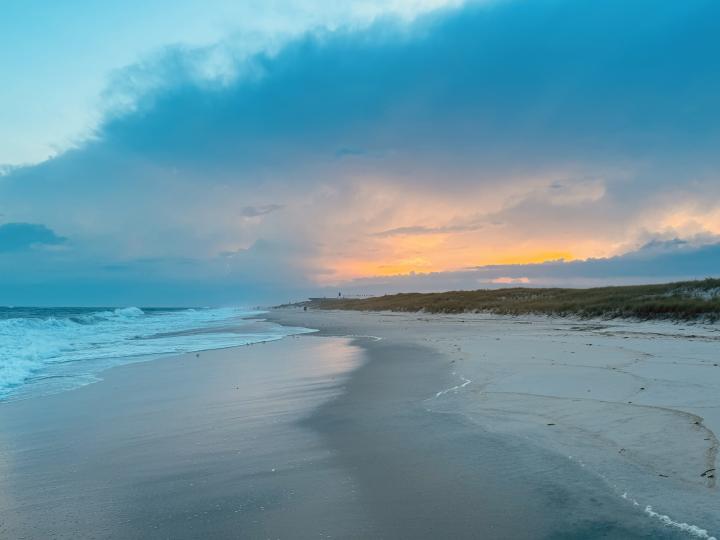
(349, 269)
(389, 232)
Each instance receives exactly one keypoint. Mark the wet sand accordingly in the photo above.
(203, 446)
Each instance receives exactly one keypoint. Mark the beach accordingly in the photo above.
(382, 425)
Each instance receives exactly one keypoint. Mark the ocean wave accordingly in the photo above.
(130, 312)
(66, 344)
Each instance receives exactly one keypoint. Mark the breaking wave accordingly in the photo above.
(69, 346)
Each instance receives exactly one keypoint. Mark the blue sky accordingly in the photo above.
(242, 152)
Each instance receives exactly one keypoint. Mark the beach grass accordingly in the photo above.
(688, 300)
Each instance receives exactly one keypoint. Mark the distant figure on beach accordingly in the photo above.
(304, 308)
(339, 295)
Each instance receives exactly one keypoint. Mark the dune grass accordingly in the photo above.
(689, 300)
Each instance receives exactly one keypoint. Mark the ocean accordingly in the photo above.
(46, 350)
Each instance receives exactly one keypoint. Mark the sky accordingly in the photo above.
(187, 153)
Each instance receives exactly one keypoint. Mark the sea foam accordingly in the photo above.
(73, 344)
(692, 530)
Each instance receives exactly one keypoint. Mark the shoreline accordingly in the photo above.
(52, 377)
(396, 426)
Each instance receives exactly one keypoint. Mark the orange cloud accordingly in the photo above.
(510, 280)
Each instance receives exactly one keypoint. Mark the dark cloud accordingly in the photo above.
(549, 81)
(23, 236)
(656, 260)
